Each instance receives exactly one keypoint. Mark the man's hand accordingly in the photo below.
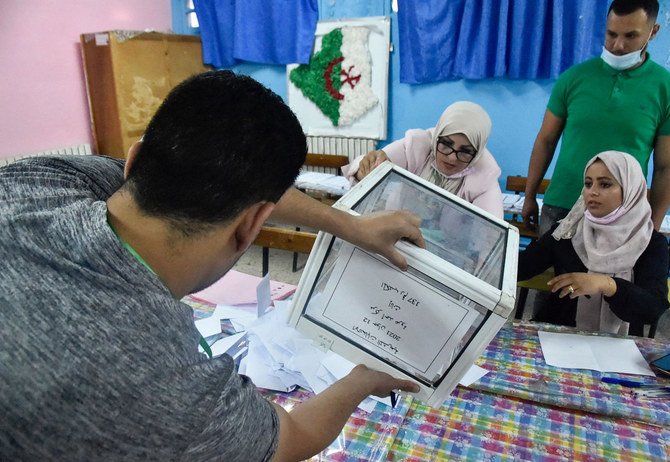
(314, 424)
(378, 383)
(530, 212)
(368, 163)
(378, 232)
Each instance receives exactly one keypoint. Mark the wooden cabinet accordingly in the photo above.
(128, 74)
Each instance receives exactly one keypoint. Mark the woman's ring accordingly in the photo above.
(571, 289)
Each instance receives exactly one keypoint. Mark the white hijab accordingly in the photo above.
(611, 248)
(461, 117)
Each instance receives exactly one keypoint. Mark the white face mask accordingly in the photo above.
(623, 62)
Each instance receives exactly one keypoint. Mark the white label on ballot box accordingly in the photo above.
(392, 313)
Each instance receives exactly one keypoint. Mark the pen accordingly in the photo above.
(655, 393)
(622, 382)
(394, 399)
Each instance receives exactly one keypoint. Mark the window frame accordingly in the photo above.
(181, 9)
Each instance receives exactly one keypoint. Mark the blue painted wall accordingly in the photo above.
(516, 107)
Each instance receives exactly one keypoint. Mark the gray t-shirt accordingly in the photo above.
(97, 360)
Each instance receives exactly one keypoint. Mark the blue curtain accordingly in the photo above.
(478, 39)
(217, 21)
(261, 31)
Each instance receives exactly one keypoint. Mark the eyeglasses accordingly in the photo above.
(446, 146)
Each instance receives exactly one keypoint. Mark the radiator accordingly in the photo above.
(79, 150)
(350, 147)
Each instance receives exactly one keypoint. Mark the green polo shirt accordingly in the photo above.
(605, 109)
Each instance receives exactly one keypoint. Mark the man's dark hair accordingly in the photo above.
(624, 7)
(219, 143)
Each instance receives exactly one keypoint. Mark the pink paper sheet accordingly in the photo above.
(236, 288)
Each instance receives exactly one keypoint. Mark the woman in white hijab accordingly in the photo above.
(452, 155)
(611, 265)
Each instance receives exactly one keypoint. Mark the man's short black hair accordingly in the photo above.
(624, 7)
(219, 143)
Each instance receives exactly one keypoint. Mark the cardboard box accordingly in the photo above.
(128, 74)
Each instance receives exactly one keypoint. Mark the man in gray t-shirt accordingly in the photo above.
(98, 357)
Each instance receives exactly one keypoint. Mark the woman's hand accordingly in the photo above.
(577, 284)
(368, 163)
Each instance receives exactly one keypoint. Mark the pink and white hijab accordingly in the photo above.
(610, 245)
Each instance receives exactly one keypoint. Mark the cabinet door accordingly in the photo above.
(146, 68)
(128, 74)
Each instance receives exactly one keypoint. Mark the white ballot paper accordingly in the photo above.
(604, 354)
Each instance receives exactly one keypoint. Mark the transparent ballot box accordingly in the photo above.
(429, 323)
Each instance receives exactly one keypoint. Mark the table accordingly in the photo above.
(522, 410)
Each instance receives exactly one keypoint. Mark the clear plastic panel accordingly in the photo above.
(453, 232)
(415, 309)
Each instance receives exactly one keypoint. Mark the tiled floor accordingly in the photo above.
(280, 270)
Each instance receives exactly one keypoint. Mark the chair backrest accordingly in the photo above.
(326, 160)
(274, 237)
(517, 184)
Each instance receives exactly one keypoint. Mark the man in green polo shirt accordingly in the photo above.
(619, 101)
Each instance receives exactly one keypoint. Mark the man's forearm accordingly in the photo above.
(297, 208)
(316, 422)
(660, 195)
(540, 159)
(312, 425)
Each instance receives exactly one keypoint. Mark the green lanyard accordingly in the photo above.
(203, 343)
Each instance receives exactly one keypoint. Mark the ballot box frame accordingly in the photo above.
(499, 302)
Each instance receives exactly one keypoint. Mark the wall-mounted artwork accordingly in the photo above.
(343, 91)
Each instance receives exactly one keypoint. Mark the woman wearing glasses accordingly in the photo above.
(452, 155)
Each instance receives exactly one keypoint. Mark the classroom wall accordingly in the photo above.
(43, 101)
(43, 96)
(516, 107)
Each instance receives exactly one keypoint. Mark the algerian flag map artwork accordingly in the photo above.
(338, 76)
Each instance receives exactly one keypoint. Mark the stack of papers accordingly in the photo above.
(326, 182)
(513, 203)
(598, 353)
(237, 288)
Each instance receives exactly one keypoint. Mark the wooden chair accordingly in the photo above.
(654, 325)
(296, 241)
(325, 161)
(517, 185)
(274, 237)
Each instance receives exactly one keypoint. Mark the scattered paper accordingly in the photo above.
(227, 344)
(236, 311)
(263, 295)
(472, 375)
(208, 326)
(604, 354)
(261, 369)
